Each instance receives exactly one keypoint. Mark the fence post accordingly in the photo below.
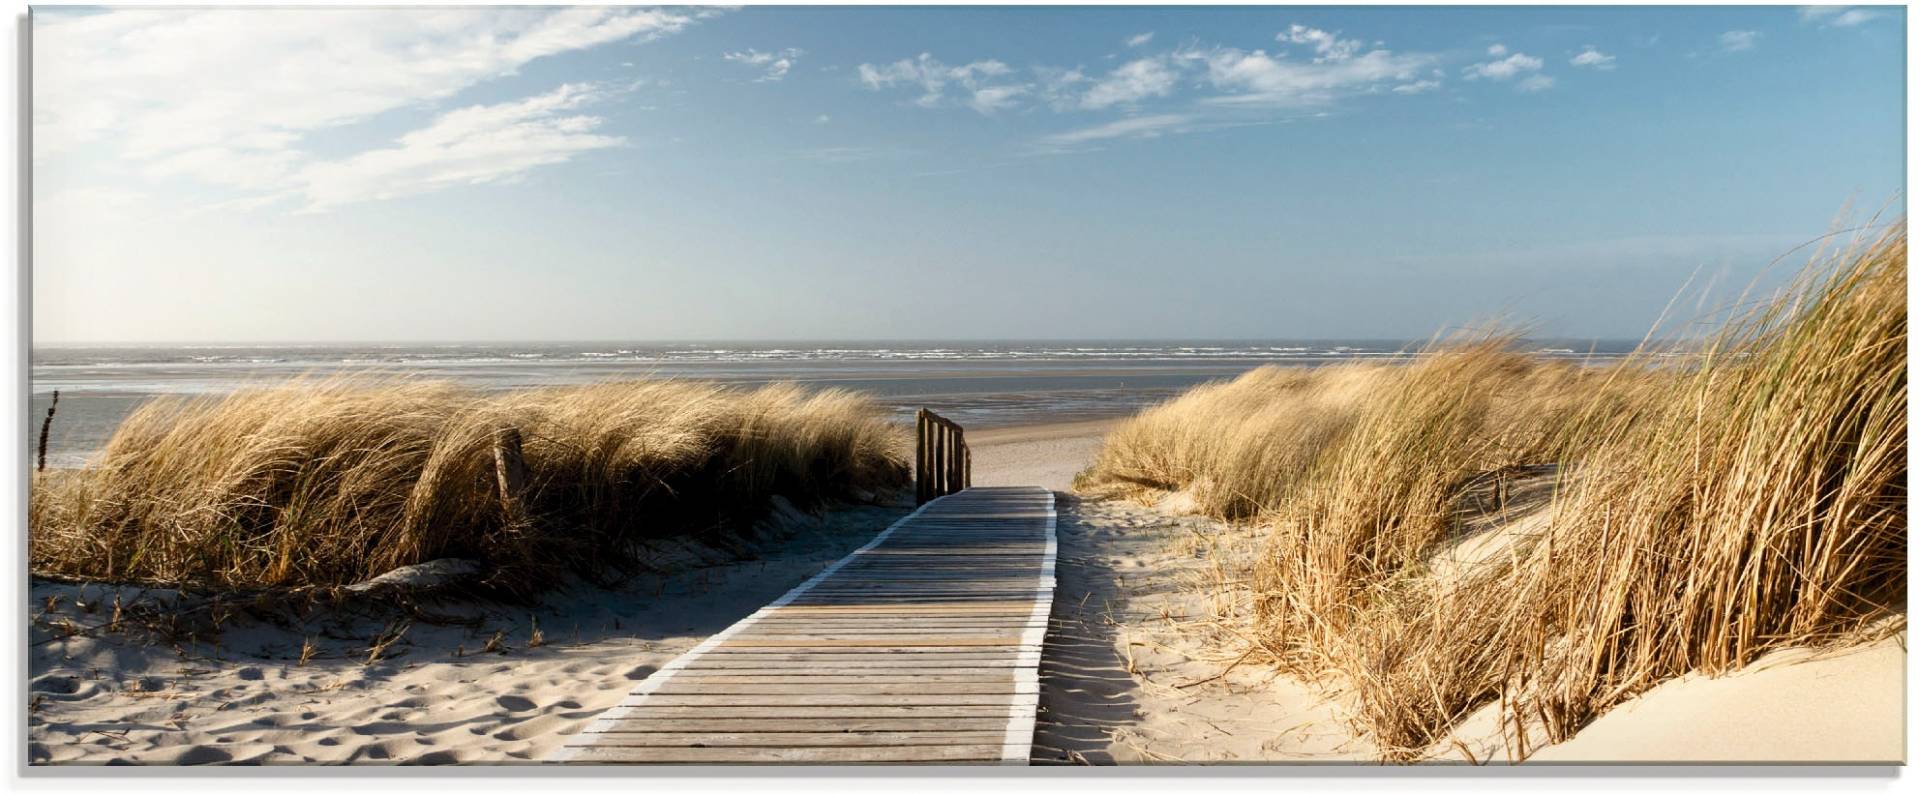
(510, 470)
(943, 463)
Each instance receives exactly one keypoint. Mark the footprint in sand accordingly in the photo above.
(514, 703)
(203, 754)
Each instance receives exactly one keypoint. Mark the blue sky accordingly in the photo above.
(847, 173)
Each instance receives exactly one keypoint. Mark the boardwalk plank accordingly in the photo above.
(922, 647)
(978, 753)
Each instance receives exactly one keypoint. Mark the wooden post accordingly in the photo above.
(510, 470)
(922, 486)
(943, 463)
(955, 463)
(966, 463)
(939, 457)
(46, 426)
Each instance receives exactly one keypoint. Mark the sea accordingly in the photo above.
(983, 384)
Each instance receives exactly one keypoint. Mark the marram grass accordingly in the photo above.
(333, 481)
(1706, 510)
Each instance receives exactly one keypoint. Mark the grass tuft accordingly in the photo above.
(331, 482)
(1700, 510)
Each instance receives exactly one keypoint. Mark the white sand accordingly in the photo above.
(1043, 455)
(1128, 676)
(1793, 705)
(96, 699)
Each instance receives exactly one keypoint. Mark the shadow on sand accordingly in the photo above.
(1085, 689)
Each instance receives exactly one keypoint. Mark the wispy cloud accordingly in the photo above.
(1838, 16)
(983, 82)
(228, 97)
(773, 65)
(1593, 59)
(1200, 87)
(472, 145)
(1140, 40)
(1326, 46)
(1739, 40)
(1270, 80)
(1132, 127)
(1132, 82)
(1506, 68)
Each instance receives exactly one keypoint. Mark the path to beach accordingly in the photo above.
(922, 646)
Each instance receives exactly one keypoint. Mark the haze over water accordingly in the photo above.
(978, 384)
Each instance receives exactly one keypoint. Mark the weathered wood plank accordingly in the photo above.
(922, 646)
(691, 676)
(861, 700)
(789, 755)
(802, 724)
(921, 738)
(650, 710)
(686, 687)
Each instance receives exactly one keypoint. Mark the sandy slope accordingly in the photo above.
(1791, 706)
(435, 697)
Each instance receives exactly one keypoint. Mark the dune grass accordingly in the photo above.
(334, 481)
(1707, 511)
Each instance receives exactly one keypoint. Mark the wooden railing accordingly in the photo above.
(942, 464)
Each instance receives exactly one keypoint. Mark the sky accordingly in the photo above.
(783, 173)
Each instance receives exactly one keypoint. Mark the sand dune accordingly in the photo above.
(1136, 669)
(435, 696)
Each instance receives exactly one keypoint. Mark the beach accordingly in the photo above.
(438, 694)
(1138, 666)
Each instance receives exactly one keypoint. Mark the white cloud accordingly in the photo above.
(1140, 40)
(1326, 46)
(990, 99)
(1505, 68)
(1593, 58)
(1837, 16)
(822, 119)
(1737, 40)
(1256, 78)
(1131, 127)
(156, 82)
(472, 145)
(775, 64)
(980, 80)
(1132, 82)
(1416, 87)
(1060, 88)
(1497, 50)
(229, 97)
(1534, 84)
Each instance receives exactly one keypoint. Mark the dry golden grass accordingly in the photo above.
(1705, 512)
(334, 481)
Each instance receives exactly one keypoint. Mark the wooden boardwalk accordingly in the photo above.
(921, 647)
